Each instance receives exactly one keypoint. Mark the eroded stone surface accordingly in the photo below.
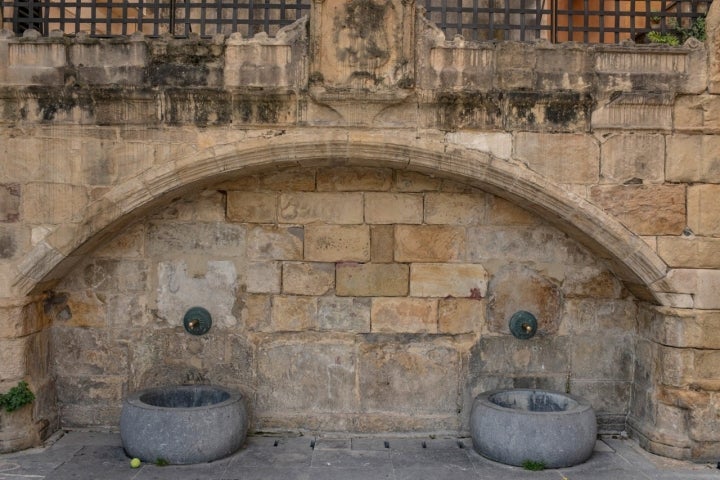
(448, 280)
(647, 210)
(391, 372)
(372, 280)
(330, 243)
(429, 243)
(404, 315)
(89, 149)
(522, 289)
(341, 293)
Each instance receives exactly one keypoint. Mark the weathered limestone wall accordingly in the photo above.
(614, 146)
(351, 298)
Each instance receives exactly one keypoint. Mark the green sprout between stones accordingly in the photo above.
(533, 466)
(161, 462)
(17, 397)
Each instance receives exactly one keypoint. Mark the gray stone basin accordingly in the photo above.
(519, 425)
(183, 424)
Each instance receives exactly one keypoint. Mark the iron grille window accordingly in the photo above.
(588, 21)
(153, 17)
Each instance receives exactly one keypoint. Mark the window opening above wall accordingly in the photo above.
(586, 21)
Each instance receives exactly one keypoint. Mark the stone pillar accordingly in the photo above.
(713, 40)
(677, 383)
(24, 356)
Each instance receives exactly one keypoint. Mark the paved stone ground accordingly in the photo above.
(92, 455)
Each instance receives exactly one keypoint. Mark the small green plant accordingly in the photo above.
(161, 462)
(16, 397)
(533, 466)
(698, 30)
(678, 34)
(663, 38)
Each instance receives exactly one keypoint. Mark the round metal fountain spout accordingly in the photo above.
(523, 325)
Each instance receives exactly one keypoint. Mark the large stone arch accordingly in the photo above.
(628, 256)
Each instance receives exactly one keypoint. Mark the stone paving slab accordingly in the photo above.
(93, 455)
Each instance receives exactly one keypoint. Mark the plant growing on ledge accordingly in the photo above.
(17, 397)
(678, 34)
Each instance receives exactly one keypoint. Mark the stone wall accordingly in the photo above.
(612, 152)
(343, 299)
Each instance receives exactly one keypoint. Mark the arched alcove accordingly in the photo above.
(628, 256)
(559, 221)
(344, 297)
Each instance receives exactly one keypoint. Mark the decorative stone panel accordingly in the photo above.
(370, 44)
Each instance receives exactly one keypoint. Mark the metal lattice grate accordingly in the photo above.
(588, 21)
(152, 17)
(490, 19)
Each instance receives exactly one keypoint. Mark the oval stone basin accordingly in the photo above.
(525, 425)
(183, 424)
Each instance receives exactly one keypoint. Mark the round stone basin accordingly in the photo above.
(183, 424)
(521, 425)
